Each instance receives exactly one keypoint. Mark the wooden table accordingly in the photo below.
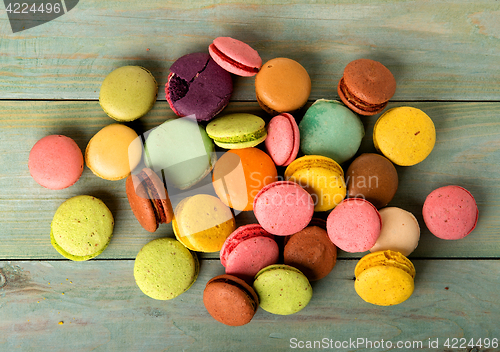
(445, 56)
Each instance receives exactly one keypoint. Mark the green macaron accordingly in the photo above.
(282, 289)
(237, 131)
(164, 268)
(128, 93)
(81, 228)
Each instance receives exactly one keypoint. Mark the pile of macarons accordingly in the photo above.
(289, 172)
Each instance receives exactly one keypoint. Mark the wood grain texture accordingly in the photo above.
(96, 306)
(466, 153)
(437, 50)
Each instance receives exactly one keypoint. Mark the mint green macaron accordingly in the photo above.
(128, 93)
(164, 268)
(282, 289)
(237, 131)
(82, 228)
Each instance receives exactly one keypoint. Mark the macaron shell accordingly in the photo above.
(55, 162)
(237, 131)
(161, 199)
(405, 135)
(400, 231)
(240, 174)
(282, 85)
(140, 204)
(113, 152)
(250, 256)
(164, 269)
(128, 93)
(322, 177)
(385, 258)
(230, 300)
(450, 212)
(235, 56)
(81, 228)
(282, 289)
(202, 223)
(283, 139)
(312, 252)
(354, 225)
(330, 129)
(283, 208)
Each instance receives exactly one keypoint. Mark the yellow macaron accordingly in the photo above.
(322, 177)
(202, 223)
(405, 135)
(384, 278)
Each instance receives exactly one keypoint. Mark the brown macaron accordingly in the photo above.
(312, 252)
(372, 177)
(149, 199)
(230, 300)
(366, 86)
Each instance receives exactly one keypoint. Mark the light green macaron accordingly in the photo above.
(282, 289)
(81, 228)
(237, 131)
(128, 93)
(164, 268)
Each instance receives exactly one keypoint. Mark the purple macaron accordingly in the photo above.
(198, 86)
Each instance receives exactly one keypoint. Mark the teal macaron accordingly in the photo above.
(330, 129)
(237, 131)
(282, 289)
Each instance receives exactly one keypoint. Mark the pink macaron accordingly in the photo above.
(450, 212)
(235, 56)
(283, 208)
(247, 250)
(354, 225)
(283, 139)
(55, 162)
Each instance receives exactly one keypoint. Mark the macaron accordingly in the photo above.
(237, 131)
(164, 269)
(148, 199)
(372, 177)
(405, 135)
(202, 223)
(283, 208)
(128, 93)
(113, 152)
(384, 278)
(55, 162)
(322, 177)
(230, 300)
(198, 86)
(450, 212)
(283, 139)
(366, 86)
(354, 225)
(400, 231)
(311, 251)
(235, 56)
(182, 150)
(240, 174)
(81, 228)
(282, 85)
(330, 129)
(247, 250)
(282, 289)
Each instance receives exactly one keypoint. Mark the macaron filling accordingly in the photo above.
(360, 104)
(154, 197)
(231, 61)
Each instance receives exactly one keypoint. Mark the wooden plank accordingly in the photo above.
(96, 305)
(466, 153)
(438, 50)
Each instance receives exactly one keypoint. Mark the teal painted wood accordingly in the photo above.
(438, 50)
(101, 309)
(466, 153)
